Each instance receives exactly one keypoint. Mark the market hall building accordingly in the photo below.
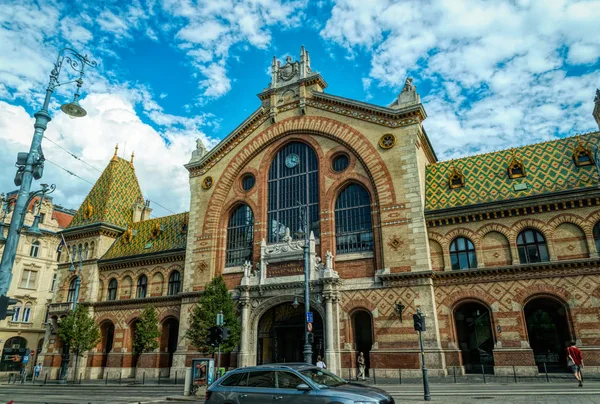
(499, 250)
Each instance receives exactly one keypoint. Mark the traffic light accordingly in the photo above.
(5, 302)
(225, 335)
(219, 334)
(419, 321)
(311, 338)
(212, 336)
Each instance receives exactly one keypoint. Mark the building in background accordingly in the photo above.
(499, 250)
(34, 279)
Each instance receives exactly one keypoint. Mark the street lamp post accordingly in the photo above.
(30, 165)
(303, 213)
(64, 366)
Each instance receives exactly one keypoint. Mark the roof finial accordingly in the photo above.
(116, 151)
(132, 156)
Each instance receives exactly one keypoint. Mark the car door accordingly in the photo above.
(260, 388)
(288, 393)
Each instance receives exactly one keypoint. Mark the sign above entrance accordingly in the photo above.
(309, 317)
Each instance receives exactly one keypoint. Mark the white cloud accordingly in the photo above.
(498, 69)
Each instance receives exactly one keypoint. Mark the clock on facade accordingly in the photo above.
(292, 160)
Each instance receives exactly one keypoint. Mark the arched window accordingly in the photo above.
(86, 251)
(293, 185)
(16, 314)
(35, 249)
(59, 252)
(26, 313)
(353, 222)
(174, 283)
(113, 286)
(71, 292)
(462, 254)
(240, 234)
(142, 286)
(532, 246)
(80, 252)
(596, 232)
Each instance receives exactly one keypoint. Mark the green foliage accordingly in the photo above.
(79, 330)
(214, 298)
(147, 331)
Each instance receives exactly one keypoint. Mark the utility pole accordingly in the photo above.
(419, 323)
(307, 334)
(220, 337)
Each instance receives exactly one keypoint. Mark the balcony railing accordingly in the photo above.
(59, 308)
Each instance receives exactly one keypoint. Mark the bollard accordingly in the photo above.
(188, 382)
(546, 371)
(120, 374)
(350, 374)
(143, 377)
(483, 374)
(454, 373)
(106, 378)
(79, 378)
(159, 377)
(176, 378)
(374, 377)
(400, 375)
(46, 378)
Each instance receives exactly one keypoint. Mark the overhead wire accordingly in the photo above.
(89, 165)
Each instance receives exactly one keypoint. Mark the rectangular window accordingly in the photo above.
(42, 217)
(265, 380)
(53, 284)
(28, 279)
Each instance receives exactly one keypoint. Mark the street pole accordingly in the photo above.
(307, 346)
(427, 394)
(31, 165)
(220, 322)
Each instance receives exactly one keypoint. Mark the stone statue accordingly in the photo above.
(329, 260)
(409, 86)
(597, 98)
(248, 269)
(199, 152)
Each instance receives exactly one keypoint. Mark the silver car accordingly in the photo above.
(297, 383)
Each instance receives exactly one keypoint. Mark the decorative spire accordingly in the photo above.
(131, 161)
(596, 112)
(114, 158)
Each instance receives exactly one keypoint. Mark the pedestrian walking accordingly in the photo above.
(360, 361)
(37, 370)
(320, 363)
(575, 361)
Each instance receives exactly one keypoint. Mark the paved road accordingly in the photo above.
(558, 393)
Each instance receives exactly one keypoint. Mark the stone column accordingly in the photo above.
(329, 330)
(244, 356)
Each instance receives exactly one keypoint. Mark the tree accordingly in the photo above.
(214, 299)
(145, 337)
(80, 331)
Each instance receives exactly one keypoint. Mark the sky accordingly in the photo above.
(491, 75)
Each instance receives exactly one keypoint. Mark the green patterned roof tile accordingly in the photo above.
(549, 168)
(112, 197)
(151, 236)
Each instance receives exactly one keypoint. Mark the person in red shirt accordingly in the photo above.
(575, 361)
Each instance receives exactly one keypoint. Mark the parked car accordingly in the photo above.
(297, 383)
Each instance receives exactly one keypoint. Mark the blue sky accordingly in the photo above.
(491, 74)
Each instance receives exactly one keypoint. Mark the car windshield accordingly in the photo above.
(322, 377)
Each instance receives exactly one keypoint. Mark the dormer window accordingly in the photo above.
(582, 155)
(516, 169)
(456, 179)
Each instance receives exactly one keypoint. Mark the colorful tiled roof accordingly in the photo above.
(151, 236)
(112, 197)
(549, 168)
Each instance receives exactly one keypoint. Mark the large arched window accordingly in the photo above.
(71, 291)
(532, 246)
(142, 286)
(293, 185)
(240, 233)
(462, 254)
(596, 232)
(353, 222)
(174, 283)
(113, 286)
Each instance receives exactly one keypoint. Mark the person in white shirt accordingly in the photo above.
(320, 363)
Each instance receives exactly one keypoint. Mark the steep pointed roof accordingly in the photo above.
(112, 198)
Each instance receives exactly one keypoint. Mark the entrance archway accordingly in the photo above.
(475, 337)
(280, 336)
(169, 338)
(363, 335)
(548, 331)
(107, 331)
